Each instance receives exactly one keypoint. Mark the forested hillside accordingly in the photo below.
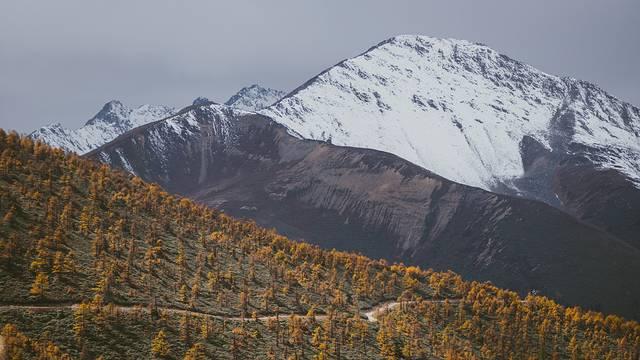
(97, 263)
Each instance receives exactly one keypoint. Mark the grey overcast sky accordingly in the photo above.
(60, 61)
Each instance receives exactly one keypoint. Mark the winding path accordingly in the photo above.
(371, 314)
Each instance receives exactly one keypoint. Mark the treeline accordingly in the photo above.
(77, 232)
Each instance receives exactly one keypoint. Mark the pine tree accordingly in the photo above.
(84, 223)
(196, 352)
(15, 343)
(205, 329)
(182, 294)
(58, 263)
(184, 328)
(69, 263)
(80, 317)
(40, 285)
(159, 345)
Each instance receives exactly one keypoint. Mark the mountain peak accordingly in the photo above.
(461, 110)
(55, 125)
(202, 101)
(111, 121)
(423, 43)
(112, 112)
(254, 98)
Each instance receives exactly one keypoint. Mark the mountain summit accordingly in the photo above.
(112, 120)
(254, 98)
(113, 112)
(463, 111)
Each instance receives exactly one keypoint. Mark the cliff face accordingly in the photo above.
(378, 204)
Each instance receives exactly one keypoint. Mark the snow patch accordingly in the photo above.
(125, 163)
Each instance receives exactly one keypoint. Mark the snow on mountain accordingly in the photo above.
(461, 110)
(111, 121)
(378, 204)
(165, 137)
(254, 98)
(114, 119)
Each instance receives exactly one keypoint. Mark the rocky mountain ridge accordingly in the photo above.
(115, 119)
(111, 121)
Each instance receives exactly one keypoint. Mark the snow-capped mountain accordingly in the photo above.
(254, 98)
(111, 121)
(376, 203)
(461, 110)
(115, 119)
(203, 118)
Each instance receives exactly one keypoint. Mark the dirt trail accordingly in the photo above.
(371, 314)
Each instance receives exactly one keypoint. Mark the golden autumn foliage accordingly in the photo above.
(159, 345)
(204, 285)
